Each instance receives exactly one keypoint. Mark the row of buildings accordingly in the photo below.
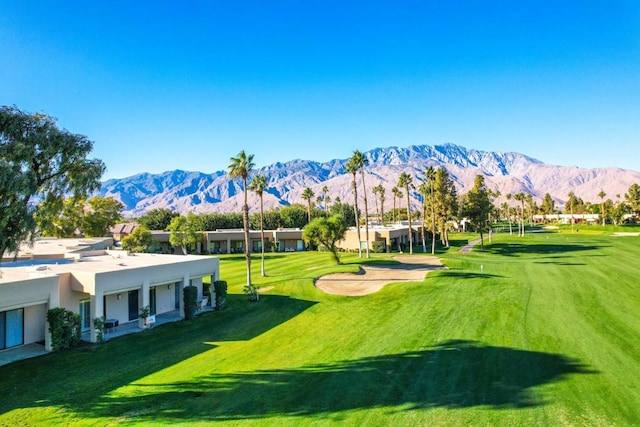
(92, 278)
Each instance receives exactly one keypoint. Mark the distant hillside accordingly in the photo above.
(198, 192)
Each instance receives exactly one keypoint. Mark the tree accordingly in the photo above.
(520, 197)
(184, 232)
(509, 196)
(405, 180)
(240, 167)
(140, 240)
(39, 162)
(423, 189)
(325, 199)
(397, 194)
(445, 202)
(352, 168)
(326, 232)
(346, 211)
(548, 204)
(307, 195)
(380, 191)
(67, 222)
(101, 214)
(159, 219)
(361, 161)
(602, 195)
(430, 174)
(258, 185)
(570, 205)
(477, 207)
(632, 197)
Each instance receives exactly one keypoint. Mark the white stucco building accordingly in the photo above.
(96, 283)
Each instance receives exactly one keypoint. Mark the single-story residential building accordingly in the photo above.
(568, 218)
(391, 237)
(111, 284)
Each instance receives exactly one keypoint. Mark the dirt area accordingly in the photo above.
(625, 234)
(372, 278)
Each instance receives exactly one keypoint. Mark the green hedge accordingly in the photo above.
(220, 288)
(190, 295)
(65, 327)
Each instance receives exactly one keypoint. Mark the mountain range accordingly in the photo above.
(198, 192)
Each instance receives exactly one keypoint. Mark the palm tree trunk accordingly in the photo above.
(355, 210)
(366, 211)
(262, 235)
(409, 218)
(245, 220)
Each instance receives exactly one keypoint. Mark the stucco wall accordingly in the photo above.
(35, 317)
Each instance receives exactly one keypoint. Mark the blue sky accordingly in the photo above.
(161, 85)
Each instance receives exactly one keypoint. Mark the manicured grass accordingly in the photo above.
(543, 330)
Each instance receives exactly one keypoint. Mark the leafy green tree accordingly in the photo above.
(308, 195)
(39, 162)
(508, 211)
(101, 214)
(140, 240)
(352, 168)
(294, 216)
(240, 167)
(184, 232)
(406, 181)
(219, 221)
(361, 161)
(158, 219)
(548, 206)
(445, 202)
(430, 174)
(632, 197)
(477, 207)
(67, 222)
(326, 232)
(346, 210)
(258, 185)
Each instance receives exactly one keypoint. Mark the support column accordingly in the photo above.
(185, 282)
(212, 299)
(229, 245)
(96, 308)
(143, 302)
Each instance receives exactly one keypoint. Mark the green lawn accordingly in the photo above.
(543, 330)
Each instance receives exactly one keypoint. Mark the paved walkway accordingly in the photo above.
(372, 278)
(467, 248)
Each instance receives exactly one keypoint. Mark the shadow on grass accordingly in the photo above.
(80, 378)
(466, 275)
(517, 249)
(453, 374)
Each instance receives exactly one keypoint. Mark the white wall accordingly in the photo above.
(35, 317)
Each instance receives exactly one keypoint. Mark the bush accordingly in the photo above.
(65, 328)
(220, 288)
(190, 298)
(251, 291)
(378, 247)
(98, 325)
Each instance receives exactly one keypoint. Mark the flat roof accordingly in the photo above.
(53, 246)
(113, 261)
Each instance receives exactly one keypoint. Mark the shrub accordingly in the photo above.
(251, 291)
(65, 328)
(220, 288)
(98, 325)
(378, 247)
(190, 295)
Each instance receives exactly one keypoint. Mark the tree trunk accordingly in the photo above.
(355, 210)
(245, 220)
(366, 211)
(409, 218)
(262, 235)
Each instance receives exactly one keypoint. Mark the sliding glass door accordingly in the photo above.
(11, 328)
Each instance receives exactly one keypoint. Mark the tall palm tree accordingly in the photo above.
(258, 185)
(325, 199)
(397, 194)
(571, 202)
(423, 189)
(379, 189)
(361, 160)
(352, 168)
(520, 197)
(307, 195)
(405, 180)
(508, 202)
(430, 174)
(602, 195)
(241, 167)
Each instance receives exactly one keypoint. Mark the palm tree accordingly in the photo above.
(397, 194)
(406, 181)
(520, 197)
(379, 189)
(258, 185)
(361, 160)
(241, 167)
(307, 195)
(602, 195)
(325, 199)
(508, 202)
(352, 168)
(430, 174)
(571, 202)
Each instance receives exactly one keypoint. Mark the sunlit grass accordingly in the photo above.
(537, 330)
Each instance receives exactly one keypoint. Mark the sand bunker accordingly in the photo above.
(625, 234)
(372, 278)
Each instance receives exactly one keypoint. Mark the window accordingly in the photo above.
(85, 315)
(11, 328)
